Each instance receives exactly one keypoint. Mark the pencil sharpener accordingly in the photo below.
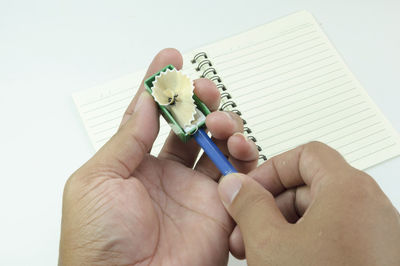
(186, 133)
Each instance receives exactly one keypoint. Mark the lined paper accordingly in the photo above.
(290, 85)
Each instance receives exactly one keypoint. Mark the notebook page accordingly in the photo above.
(292, 87)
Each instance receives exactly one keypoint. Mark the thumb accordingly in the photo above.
(250, 205)
(126, 149)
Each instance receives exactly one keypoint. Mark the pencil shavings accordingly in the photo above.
(174, 90)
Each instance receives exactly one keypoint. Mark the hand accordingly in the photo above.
(309, 207)
(125, 206)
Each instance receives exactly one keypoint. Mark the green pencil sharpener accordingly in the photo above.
(202, 111)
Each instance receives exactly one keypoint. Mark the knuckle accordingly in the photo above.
(316, 144)
(363, 189)
(365, 182)
(327, 158)
(321, 149)
(310, 152)
(313, 147)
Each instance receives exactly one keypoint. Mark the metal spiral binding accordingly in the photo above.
(204, 65)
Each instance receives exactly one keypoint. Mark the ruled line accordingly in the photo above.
(105, 130)
(108, 112)
(359, 139)
(310, 113)
(367, 145)
(108, 137)
(301, 99)
(300, 75)
(313, 111)
(294, 29)
(96, 133)
(373, 152)
(275, 67)
(297, 118)
(344, 155)
(341, 137)
(275, 60)
(263, 49)
(296, 85)
(162, 127)
(106, 97)
(314, 129)
(330, 133)
(311, 104)
(105, 121)
(282, 73)
(108, 104)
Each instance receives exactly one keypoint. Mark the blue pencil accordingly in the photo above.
(212, 151)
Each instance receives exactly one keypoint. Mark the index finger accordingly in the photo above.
(304, 165)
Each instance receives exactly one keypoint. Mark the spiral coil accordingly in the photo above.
(204, 65)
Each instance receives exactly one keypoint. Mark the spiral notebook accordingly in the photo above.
(286, 81)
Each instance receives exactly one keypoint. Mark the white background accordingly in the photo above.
(49, 49)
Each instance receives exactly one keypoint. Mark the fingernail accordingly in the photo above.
(139, 102)
(228, 115)
(241, 135)
(252, 144)
(229, 187)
